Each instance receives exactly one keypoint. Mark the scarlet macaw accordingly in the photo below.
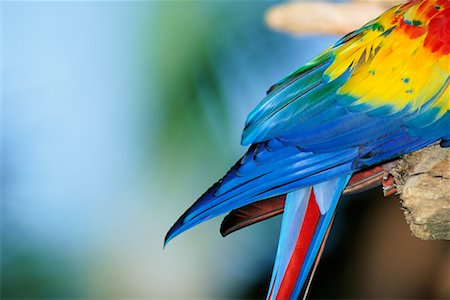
(378, 93)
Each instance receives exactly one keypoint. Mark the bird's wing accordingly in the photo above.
(268, 208)
(380, 92)
(395, 68)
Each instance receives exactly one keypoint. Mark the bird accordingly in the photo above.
(332, 127)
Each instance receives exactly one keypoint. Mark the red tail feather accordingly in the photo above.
(304, 239)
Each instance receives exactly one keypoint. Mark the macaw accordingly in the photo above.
(378, 93)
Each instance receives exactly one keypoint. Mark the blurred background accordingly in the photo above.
(116, 116)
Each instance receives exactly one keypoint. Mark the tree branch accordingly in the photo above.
(423, 180)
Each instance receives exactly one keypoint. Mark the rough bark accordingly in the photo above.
(422, 179)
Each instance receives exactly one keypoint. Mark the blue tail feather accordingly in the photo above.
(327, 195)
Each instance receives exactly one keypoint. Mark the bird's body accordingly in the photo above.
(380, 92)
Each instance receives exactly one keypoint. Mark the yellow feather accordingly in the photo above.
(392, 69)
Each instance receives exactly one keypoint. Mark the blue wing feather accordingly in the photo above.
(304, 132)
(284, 164)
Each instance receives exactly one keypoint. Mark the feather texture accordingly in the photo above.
(306, 219)
(380, 92)
(265, 209)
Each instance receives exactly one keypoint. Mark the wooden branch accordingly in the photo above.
(423, 180)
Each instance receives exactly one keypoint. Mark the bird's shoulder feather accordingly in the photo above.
(386, 69)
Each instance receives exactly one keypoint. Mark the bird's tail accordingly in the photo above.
(307, 218)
